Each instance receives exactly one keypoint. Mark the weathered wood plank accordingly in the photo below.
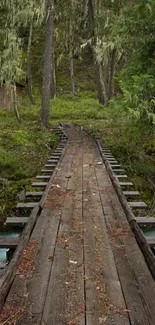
(138, 205)
(39, 184)
(43, 177)
(145, 220)
(125, 184)
(16, 221)
(131, 193)
(34, 194)
(151, 241)
(9, 242)
(121, 176)
(27, 205)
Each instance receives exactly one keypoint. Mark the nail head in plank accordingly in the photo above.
(9, 242)
(15, 221)
(137, 205)
(29, 205)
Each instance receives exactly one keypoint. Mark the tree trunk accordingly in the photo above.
(71, 69)
(91, 17)
(15, 105)
(46, 85)
(29, 79)
(53, 76)
(112, 73)
(102, 92)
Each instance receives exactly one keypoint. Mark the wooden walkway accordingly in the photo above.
(82, 265)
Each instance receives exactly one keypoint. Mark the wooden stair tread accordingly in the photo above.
(118, 170)
(137, 204)
(15, 221)
(43, 177)
(151, 241)
(145, 220)
(39, 184)
(121, 176)
(29, 205)
(33, 194)
(50, 165)
(9, 242)
(52, 160)
(125, 183)
(131, 193)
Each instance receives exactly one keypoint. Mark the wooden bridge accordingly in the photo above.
(82, 264)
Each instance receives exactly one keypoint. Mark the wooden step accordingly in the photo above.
(27, 205)
(54, 161)
(125, 183)
(34, 194)
(116, 166)
(9, 242)
(112, 162)
(138, 205)
(131, 193)
(118, 170)
(39, 184)
(145, 220)
(121, 176)
(55, 157)
(50, 165)
(47, 171)
(151, 241)
(16, 221)
(43, 177)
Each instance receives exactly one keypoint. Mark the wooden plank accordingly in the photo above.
(9, 242)
(145, 220)
(100, 269)
(131, 267)
(131, 193)
(118, 170)
(125, 183)
(121, 176)
(138, 205)
(50, 166)
(151, 241)
(27, 205)
(47, 171)
(39, 184)
(16, 221)
(114, 166)
(112, 161)
(43, 177)
(34, 194)
(53, 161)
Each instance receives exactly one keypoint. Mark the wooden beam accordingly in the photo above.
(34, 194)
(37, 184)
(138, 205)
(27, 205)
(9, 242)
(131, 193)
(118, 170)
(121, 176)
(125, 183)
(16, 221)
(145, 220)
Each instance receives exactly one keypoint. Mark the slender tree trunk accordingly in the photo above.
(71, 69)
(46, 86)
(15, 105)
(53, 76)
(112, 73)
(91, 17)
(102, 92)
(29, 78)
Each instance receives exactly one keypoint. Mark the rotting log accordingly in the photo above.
(6, 281)
(139, 235)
